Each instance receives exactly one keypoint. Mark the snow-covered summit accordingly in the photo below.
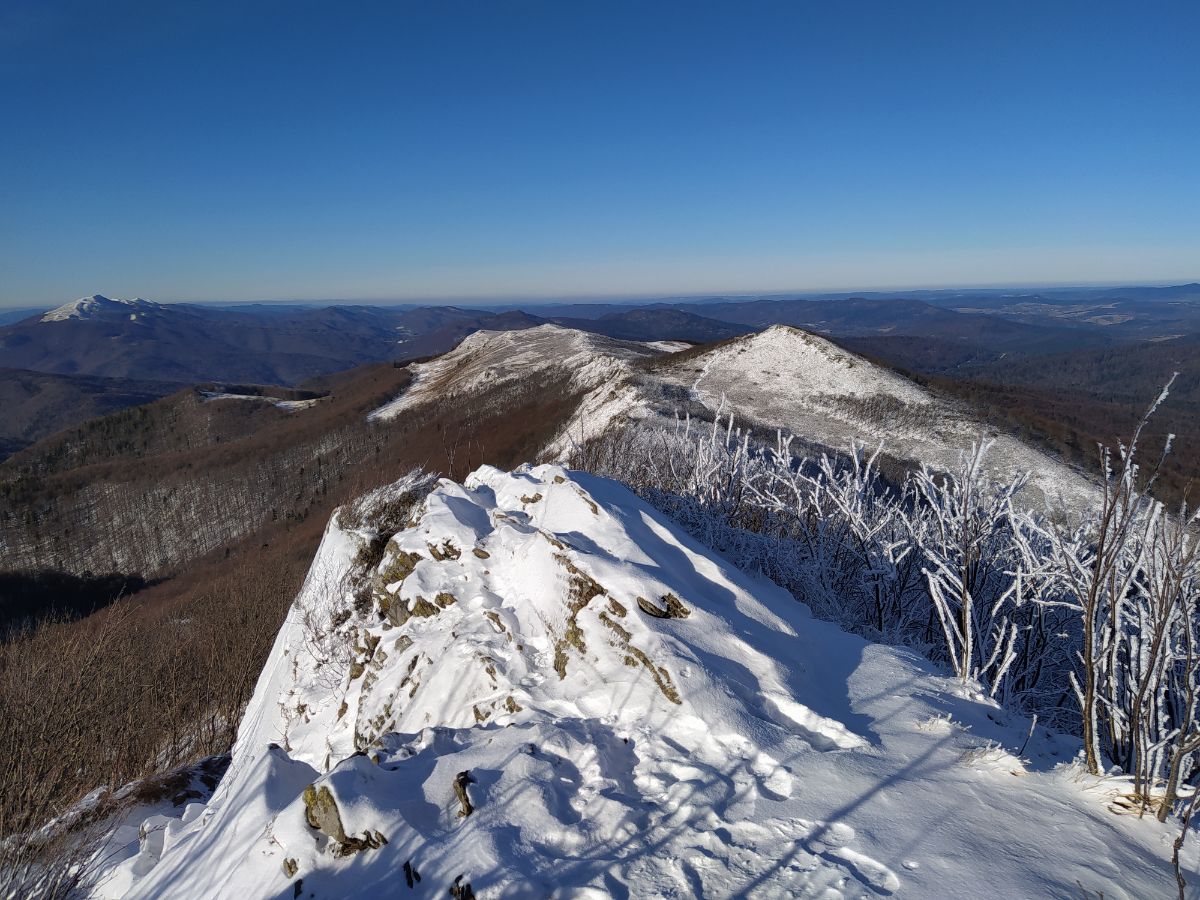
(805, 384)
(539, 687)
(100, 307)
(823, 367)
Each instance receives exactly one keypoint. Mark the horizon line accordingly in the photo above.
(633, 297)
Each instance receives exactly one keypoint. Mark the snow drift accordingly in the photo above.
(535, 685)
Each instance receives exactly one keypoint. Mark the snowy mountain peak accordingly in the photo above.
(539, 686)
(98, 306)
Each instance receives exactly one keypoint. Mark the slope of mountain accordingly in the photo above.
(1126, 373)
(37, 404)
(592, 364)
(785, 377)
(1074, 400)
(928, 355)
(539, 686)
(185, 420)
(159, 485)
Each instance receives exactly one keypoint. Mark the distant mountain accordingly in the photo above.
(657, 325)
(862, 317)
(99, 308)
(186, 343)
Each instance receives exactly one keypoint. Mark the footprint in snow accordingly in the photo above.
(832, 841)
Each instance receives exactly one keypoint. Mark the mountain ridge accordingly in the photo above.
(539, 685)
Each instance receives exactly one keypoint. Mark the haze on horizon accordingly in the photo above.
(544, 150)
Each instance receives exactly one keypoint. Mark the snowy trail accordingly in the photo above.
(627, 715)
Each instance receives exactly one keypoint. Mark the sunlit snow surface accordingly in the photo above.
(291, 405)
(743, 750)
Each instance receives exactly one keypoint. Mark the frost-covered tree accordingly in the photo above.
(965, 537)
(1092, 626)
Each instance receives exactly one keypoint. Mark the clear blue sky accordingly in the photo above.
(442, 149)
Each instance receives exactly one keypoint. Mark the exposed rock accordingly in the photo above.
(461, 780)
(672, 608)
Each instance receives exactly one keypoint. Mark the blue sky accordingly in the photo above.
(520, 149)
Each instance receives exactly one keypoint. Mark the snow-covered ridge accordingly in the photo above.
(782, 377)
(489, 358)
(97, 306)
(788, 378)
(539, 686)
(784, 352)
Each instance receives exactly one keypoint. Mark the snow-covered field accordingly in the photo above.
(545, 689)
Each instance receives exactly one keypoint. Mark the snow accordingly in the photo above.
(291, 405)
(737, 747)
(787, 378)
(668, 346)
(782, 377)
(589, 362)
(97, 306)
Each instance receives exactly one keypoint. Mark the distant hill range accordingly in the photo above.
(185, 343)
(111, 353)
